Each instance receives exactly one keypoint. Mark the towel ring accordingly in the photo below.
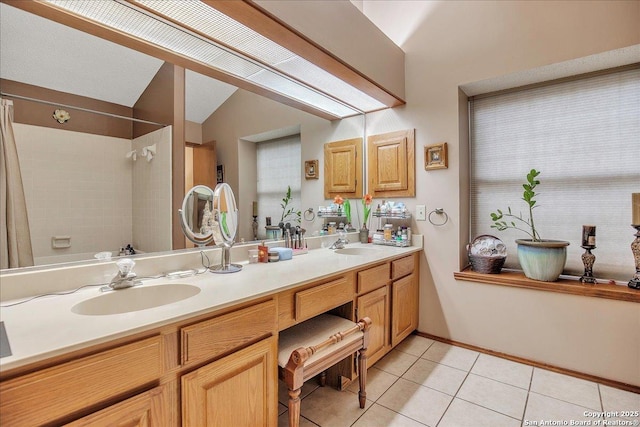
(439, 211)
(309, 215)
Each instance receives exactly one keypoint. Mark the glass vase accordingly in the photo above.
(364, 235)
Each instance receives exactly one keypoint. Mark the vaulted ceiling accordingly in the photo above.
(40, 52)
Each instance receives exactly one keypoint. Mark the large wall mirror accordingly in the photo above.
(85, 192)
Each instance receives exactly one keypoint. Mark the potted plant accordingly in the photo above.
(289, 211)
(540, 259)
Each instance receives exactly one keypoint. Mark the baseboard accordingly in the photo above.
(581, 375)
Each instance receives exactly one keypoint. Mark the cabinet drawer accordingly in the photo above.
(322, 298)
(50, 394)
(222, 334)
(373, 278)
(401, 267)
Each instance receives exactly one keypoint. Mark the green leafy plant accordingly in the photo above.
(288, 211)
(503, 221)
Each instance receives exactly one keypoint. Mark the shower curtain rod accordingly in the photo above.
(26, 98)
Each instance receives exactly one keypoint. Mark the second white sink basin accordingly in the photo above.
(356, 251)
(135, 299)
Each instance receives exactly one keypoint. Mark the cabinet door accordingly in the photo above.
(391, 163)
(237, 390)
(343, 169)
(147, 409)
(375, 305)
(404, 309)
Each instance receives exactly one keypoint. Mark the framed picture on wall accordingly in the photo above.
(220, 174)
(435, 156)
(311, 169)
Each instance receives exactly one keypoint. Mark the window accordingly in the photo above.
(584, 137)
(279, 166)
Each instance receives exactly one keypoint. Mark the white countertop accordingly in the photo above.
(47, 327)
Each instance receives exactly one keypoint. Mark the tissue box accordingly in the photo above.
(285, 253)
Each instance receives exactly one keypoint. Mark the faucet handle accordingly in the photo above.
(125, 266)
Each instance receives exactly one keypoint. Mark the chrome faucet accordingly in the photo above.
(125, 278)
(339, 244)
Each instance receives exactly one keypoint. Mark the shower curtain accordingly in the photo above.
(15, 238)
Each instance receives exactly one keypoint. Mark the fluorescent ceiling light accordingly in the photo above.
(205, 33)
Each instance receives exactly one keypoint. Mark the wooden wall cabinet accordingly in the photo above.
(391, 164)
(343, 169)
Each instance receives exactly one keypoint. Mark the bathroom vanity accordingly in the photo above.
(210, 358)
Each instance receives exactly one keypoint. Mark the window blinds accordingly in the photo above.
(279, 166)
(584, 137)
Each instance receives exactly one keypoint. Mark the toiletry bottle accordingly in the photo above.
(387, 232)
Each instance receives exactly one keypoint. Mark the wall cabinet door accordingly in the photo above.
(149, 409)
(391, 160)
(375, 305)
(343, 169)
(237, 390)
(404, 308)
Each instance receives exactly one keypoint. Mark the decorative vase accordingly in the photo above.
(542, 260)
(364, 235)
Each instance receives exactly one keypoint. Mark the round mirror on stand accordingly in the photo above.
(212, 216)
(197, 215)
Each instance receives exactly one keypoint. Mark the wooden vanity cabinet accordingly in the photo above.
(237, 390)
(151, 408)
(240, 388)
(388, 294)
(222, 367)
(404, 298)
(391, 164)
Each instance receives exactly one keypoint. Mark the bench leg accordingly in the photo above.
(294, 407)
(322, 379)
(362, 376)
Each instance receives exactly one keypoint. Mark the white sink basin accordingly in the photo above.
(356, 251)
(135, 299)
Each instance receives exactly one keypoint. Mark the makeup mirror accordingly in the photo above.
(196, 215)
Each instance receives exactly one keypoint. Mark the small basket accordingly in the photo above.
(486, 264)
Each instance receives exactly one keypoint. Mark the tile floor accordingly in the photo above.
(428, 383)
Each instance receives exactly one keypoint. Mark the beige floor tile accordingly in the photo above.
(546, 408)
(494, 395)
(281, 408)
(505, 371)
(307, 388)
(614, 400)
(465, 414)
(563, 387)
(283, 421)
(329, 407)
(417, 402)
(456, 357)
(396, 362)
(415, 345)
(377, 383)
(436, 376)
(378, 416)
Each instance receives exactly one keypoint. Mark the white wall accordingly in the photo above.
(451, 43)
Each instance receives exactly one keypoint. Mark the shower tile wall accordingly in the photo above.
(152, 193)
(77, 185)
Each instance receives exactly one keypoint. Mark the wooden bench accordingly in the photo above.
(313, 346)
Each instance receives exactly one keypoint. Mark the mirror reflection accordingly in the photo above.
(196, 215)
(87, 197)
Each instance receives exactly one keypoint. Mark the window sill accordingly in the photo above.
(564, 286)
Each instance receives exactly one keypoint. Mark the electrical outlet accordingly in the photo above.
(421, 213)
